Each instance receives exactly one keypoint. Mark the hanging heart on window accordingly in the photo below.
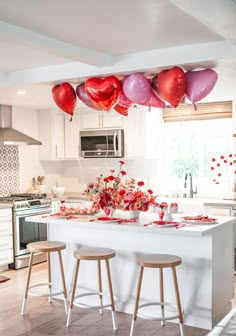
(103, 92)
(170, 85)
(65, 98)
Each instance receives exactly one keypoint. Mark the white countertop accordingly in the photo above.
(91, 223)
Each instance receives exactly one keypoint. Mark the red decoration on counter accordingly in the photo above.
(222, 157)
(213, 159)
(218, 164)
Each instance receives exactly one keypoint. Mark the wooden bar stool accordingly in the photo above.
(160, 261)
(96, 254)
(45, 246)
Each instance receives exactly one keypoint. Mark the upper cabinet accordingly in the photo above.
(140, 132)
(91, 119)
(59, 136)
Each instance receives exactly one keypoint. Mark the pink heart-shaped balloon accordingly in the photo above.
(199, 84)
(103, 92)
(137, 88)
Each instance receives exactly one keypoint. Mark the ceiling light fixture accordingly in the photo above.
(21, 92)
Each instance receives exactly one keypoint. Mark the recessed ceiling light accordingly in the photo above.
(21, 92)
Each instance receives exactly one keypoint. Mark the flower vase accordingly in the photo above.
(134, 214)
(109, 211)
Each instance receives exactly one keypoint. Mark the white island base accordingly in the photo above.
(205, 277)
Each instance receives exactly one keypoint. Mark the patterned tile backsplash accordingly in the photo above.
(9, 170)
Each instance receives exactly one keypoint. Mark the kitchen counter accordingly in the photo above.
(225, 202)
(205, 277)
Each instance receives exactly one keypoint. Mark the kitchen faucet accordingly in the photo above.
(191, 192)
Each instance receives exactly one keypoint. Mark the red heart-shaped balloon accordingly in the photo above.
(121, 109)
(170, 85)
(103, 92)
(65, 98)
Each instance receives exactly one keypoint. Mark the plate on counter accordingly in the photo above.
(108, 220)
(164, 224)
(199, 220)
(58, 216)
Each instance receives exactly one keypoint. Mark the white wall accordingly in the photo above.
(25, 121)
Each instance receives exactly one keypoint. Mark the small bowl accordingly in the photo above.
(58, 191)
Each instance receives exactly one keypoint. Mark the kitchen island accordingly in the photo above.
(205, 277)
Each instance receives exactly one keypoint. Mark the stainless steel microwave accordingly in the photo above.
(102, 143)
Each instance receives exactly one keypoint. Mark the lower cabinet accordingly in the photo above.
(6, 237)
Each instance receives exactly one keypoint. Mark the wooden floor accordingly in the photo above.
(43, 318)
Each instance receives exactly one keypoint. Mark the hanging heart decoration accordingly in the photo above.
(199, 84)
(65, 98)
(103, 92)
(170, 85)
(121, 109)
(82, 95)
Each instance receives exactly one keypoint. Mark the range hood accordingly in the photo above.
(10, 136)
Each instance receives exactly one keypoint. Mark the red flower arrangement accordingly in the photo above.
(112, 192)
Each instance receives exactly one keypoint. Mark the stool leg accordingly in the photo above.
(162, 297)
(100, 285)
(49, 279)
(73, 293)
(137, 301)
(114, 320)
(27, 284)
(63, 281)
(178, 301)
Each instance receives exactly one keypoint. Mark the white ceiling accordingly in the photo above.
(48, 42)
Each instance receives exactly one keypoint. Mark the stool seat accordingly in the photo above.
(94, 253)
(46, 246)
(98, 254)
(158, 260)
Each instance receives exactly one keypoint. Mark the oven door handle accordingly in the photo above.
(33, 213)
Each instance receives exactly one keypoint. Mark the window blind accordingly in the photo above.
(186, 112)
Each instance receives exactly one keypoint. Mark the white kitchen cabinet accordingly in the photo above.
(59, 136)
(140, 132)
(6, 238)
(100, 119)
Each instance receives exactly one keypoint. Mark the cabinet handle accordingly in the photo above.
(4, 244)
(4, 230)
(125, 149)
(78, 150)
(56, 152)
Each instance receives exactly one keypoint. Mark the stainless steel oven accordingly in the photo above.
(24, 232)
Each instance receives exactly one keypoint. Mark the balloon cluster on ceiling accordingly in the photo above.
(169, 87)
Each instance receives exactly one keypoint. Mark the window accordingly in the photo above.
(189, 147)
